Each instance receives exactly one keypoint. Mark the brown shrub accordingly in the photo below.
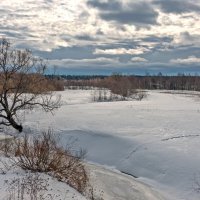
(45, 155)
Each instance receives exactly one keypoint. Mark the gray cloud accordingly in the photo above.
(177, 6)
(99, 35)
(85, 37)
(99, 61)
(188, 39)
(109, 5)
(137, 13)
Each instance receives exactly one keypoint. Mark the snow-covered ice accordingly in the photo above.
(113, 185)
(156, 139)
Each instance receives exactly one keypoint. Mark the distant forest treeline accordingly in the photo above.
(117, 82)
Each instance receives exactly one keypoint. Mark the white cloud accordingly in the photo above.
(189, 60)
(138, 59)
(84, 62)
(121, 51)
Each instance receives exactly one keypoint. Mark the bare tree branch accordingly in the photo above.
(22, 85)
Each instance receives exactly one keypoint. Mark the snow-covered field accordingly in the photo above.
(156, 139)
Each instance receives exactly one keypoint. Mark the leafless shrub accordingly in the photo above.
(93, 194)
(102, 95)
(29, 187)
(5, 166)
(7, 146)
(140, 95)
(105, 95)
(54, 84)
(45, 155)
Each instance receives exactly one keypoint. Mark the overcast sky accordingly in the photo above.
(106, 36)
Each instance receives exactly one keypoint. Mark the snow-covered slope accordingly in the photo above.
(12, 185)
(156, 139)
(108, 184)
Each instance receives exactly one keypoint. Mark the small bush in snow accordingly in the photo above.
(7, 146)
(31, 187)
(45, 155)
(104, 95)
(140, 95)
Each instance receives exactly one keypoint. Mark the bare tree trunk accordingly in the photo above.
(15, 125)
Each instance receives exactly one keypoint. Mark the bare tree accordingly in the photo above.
(22, 85)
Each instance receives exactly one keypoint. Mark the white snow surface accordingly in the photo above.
(156, 139)
(54, 189)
